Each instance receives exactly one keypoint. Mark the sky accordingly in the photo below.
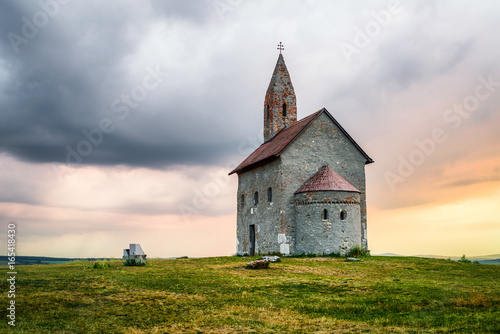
(120, 120)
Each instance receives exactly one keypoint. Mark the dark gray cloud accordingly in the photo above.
(65, 78)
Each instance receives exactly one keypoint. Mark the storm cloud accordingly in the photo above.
(85, 68)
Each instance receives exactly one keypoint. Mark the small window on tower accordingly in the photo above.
(324, 215)
(242, 201)
(256, 198)
(343, 215)
(268, 116)
(269, 195)
(284, 109)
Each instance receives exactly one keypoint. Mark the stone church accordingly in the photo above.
(303, 190)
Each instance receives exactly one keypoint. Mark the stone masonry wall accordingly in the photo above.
(322, 143)
(269, 233)
(317, 235)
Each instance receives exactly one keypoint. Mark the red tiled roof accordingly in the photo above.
(326, 179)
(271, 149)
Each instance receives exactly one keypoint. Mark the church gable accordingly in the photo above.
(324, 142)
(273, 148)
(358, 148)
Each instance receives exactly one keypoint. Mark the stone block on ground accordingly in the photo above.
(134, 252)
(259, 264)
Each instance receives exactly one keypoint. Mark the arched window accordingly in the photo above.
(242, 201)
(343, 215)
(256, 198)
(324, 214)
(268, 116)
(269, 195)
(284, 109)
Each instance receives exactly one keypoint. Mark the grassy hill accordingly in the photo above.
(217, 295)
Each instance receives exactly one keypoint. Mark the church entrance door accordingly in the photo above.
(252, 240)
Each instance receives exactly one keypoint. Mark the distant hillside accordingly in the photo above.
(485, 259)
(26, 260)
(494, 261)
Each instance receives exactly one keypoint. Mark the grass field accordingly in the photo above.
(299, 295)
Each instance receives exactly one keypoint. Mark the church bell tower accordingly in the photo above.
(280, 105)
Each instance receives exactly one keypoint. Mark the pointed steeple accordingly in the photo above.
(280, 105)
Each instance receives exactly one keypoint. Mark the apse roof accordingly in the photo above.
(326, 180)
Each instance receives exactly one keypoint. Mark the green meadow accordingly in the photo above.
(217, 295)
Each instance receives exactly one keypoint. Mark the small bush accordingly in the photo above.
(357, 251)
(464, 259)
(133, 263)
(97, 265)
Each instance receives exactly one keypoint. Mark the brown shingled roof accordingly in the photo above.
(326, 180)
(272, 149)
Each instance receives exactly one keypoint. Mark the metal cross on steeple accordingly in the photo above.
(281, 47)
